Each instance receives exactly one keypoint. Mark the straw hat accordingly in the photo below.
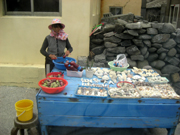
(56, 21)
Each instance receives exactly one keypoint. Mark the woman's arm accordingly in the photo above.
(69, 47)
(43, 48)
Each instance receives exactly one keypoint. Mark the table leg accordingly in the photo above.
(44, 130)
(21, 131)
(14, 131)
(171, 131)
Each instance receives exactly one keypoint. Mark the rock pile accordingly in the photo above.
(144, 43)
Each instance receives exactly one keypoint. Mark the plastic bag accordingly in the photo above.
(120, 61)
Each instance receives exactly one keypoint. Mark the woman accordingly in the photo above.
(55, 43)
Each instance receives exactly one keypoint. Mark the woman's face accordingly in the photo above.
(56, 27)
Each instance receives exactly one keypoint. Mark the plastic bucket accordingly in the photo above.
(24, 109)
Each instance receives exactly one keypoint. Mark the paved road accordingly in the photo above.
(10, 95)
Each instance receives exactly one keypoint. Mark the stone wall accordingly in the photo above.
(144, 43)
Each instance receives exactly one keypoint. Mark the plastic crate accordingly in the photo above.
(74, 73)
(61, 66)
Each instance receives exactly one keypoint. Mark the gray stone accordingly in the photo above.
(108, 54)
(131, 32)
(152, 31)
(122, 22)
(116, 50)
(110, 58)
(177, 39)
(172, 60)
(119, 28)
(173, 35)
(158, 71)
(175, 77)
(82, 61)
(169, 44)
(126, 43)
(166, 75)
(105, 51)
(157, 45)
(132, 50)
(162, 56)
(147, 67)
(133, 25)
(98, 64)
(141, 31)
(143, 50)
(97, 41)
(141, 64)
(177, 55)
(108, 28)
(137, 57)
(172, 52)
(169, 69)
(166, 28)
(161, 50)
(138, 17)
(112, 39)
(178, 45)
(152, 57)
(109, 34)
(131, 63)
(147, 43)
(146, 55)
(178, 50)
(152, 49)
(145, 37)
(158, 64)
(157, 25)
(98, 50)
(160, 38)
(146, 25)
(100, 36)
(124, 36)
(138, 42)
(100, 58)
(110, 45)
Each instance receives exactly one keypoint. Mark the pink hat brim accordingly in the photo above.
(50, 26)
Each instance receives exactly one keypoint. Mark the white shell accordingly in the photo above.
(105, 77)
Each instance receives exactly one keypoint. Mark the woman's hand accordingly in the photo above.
(52, 56)
(67, 53)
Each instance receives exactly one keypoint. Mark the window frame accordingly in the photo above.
(32, 12)
(110, 7)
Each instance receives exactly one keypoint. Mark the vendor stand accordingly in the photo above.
(68, 109)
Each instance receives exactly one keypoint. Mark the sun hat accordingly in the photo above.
(56, 21)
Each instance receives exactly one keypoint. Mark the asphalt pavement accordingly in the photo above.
(10, 95)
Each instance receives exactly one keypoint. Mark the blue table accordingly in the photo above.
(66, 109)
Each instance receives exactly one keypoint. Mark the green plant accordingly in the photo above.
(90, 61)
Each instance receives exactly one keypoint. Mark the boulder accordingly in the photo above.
(131, 63)
(116, 50)
(172, 52)
(158, 64)
(167, 28)
(141, 64)
(137, 57)
(147, 43)
(98, 50)
(152, 31)
(126, 43)
(169, 69)
(110, 45)
(169, 44)
(133, 50)
(124, 36)
(160, 38)
(152, 57)
(138, 42)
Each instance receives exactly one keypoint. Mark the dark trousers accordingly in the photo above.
(49, 65)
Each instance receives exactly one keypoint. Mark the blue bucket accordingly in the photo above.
(59, 62)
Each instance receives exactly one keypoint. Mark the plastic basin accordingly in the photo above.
(59, 62)
(53, 90)
(55, 74)
(117, 68)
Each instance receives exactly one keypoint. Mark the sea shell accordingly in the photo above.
(105, 77)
